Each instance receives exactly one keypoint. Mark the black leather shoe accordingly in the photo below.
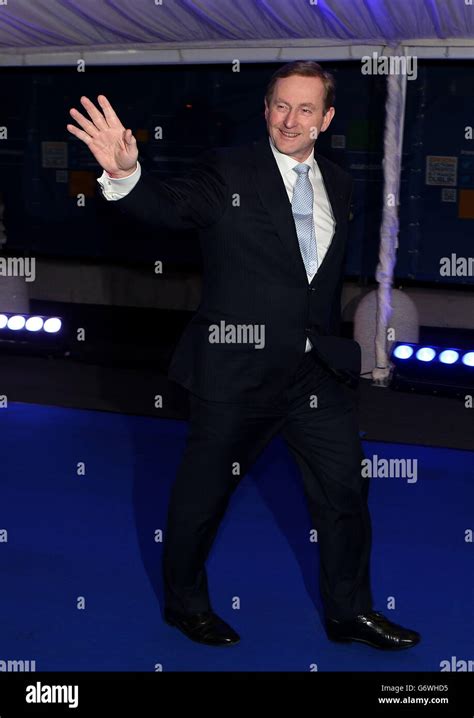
(374, 629)
(203, 627)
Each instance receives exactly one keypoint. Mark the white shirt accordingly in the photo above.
(322, 213)
(114, 188)
(324, 224)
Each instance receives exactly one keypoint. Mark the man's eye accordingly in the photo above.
(306, 109)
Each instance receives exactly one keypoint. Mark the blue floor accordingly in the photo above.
(91, 538)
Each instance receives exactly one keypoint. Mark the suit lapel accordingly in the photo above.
(272, 193)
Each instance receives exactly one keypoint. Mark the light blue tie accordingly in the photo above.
(302, 207)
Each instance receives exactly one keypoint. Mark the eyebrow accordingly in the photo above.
(302, 104)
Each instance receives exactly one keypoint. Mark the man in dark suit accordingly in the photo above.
(262, 354)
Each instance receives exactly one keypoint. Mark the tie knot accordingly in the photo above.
(301, 169)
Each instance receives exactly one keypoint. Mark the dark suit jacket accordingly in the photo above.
(254, 274)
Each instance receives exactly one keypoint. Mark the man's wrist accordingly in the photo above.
(114, 188)
(122, 175)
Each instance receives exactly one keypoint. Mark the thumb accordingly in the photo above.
(129, 138)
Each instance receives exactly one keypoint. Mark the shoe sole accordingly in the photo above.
(372, 645)
(196, 640)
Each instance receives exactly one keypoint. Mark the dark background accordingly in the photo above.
(209, 105)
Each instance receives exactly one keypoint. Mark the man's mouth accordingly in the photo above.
(289, 135)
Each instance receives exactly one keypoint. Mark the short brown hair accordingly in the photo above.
(306, 68)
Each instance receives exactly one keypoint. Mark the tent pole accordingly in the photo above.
(392, 161)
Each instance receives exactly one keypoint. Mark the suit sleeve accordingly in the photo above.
(195, 200)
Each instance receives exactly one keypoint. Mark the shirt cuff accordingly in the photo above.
(114, 188)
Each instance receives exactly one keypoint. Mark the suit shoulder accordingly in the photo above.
(229, 163)
(236, 156)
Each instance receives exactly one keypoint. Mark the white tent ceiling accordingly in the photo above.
(36, 32)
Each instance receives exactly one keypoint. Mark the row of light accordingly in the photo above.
(427, 354)
(16, 322)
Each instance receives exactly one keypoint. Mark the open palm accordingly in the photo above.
(113, 146)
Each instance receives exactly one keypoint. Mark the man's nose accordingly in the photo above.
(290, 119)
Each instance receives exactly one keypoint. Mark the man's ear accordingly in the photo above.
(327, 119)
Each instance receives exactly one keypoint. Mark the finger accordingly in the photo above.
(80, 134)
(109, 112)
(86, 124)
(129, 138)
(97, 117)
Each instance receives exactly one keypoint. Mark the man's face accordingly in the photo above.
(295, 115)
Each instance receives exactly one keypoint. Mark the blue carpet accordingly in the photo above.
(92, 538)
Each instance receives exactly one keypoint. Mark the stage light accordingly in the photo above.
(431, 369)
(16, 322)
(403, 351)
(425, 354)
(448, 356)
(25, 333)
(52, 325)
(34, 324)
(468, 359)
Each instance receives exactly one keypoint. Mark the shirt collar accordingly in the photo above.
(286, 163)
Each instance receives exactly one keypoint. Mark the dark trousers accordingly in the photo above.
(317, 418)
